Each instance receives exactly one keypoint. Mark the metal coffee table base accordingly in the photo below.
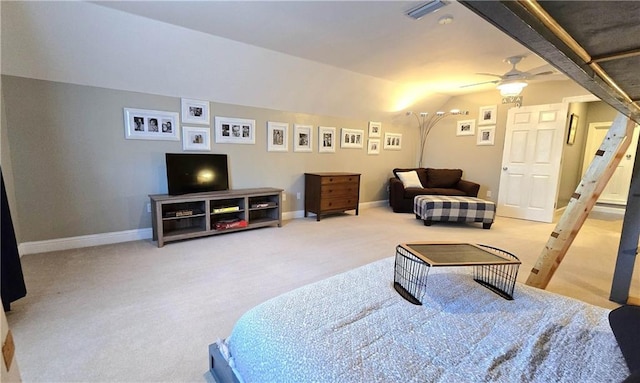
(493, 268)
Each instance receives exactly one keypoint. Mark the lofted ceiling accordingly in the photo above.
(372, 38)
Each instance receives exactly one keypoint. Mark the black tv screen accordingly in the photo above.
(196, 173)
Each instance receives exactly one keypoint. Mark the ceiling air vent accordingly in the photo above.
(426, 8)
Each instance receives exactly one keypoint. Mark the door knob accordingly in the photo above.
(505, 168)
(628, 156)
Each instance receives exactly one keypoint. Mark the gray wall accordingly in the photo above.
(74, 173)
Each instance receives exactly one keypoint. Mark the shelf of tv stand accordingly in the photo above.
(186, 216)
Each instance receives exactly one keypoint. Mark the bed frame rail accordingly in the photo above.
(218, 366)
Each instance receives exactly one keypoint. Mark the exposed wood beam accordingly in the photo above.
(604, 164)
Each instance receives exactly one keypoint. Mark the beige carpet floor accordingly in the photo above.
(132, 312)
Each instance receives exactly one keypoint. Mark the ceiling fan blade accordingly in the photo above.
(490, 74)
(543, 73)
(481, 83)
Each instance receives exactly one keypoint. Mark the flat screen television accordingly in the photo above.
(196, 173)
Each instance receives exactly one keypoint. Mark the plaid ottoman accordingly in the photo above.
(441, 208)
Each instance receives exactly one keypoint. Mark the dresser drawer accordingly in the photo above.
(339, 180)
(339, 204)
(331, 192)
(342, 190)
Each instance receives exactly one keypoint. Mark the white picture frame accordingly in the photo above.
(375, 129)
(392, 141)
(277, 136)
(195, 111)
(487, 115)
(302, 138)
(326, 139)
(146, 124)
(230, 130)
(465, 127)
(373, 146)
(486, 135)
(351, 138)
(196, 138)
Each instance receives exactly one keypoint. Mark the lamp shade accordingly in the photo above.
(511, 88)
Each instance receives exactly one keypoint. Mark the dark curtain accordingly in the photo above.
(11, 278)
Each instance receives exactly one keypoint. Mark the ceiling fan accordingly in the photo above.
(512, 82)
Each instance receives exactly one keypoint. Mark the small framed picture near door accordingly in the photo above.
(466, 128)
(487, 115)
(573, 128)
(486, 135)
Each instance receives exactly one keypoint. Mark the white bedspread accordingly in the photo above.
(354, 327)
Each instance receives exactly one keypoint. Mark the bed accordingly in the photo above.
(354, 327)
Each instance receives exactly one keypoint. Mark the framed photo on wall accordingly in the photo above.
(392, 141)
(465, 128)
(195, 111)
(326, 139)
(373, 146)
(143, 124)
(352, 138)
(375, 128)
(302, 138)
(573, 128)
(196, 138)
(235, 130)
(486, 135)
(277, 136)
(487, 115)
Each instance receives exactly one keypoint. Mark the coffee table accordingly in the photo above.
(493, 268)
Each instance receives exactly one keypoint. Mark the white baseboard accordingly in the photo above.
(83, 241)
(609, 209)
(125, 236)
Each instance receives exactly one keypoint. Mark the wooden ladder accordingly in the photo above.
(582, 201)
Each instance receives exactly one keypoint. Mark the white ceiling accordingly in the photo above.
(373, 38)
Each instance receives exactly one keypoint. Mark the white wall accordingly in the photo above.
(86, 44)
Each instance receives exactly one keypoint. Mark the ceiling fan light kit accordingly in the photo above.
(511, 88)
(511, 83)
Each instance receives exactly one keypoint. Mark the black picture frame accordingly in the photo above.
(573, 128)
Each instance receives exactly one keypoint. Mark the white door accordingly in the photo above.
(617, 189)
(531, 162)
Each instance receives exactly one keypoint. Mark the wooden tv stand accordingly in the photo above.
(175, 218)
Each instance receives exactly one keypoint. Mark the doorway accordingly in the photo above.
(617, 190)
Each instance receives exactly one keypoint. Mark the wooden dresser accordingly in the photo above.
(326, 193)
